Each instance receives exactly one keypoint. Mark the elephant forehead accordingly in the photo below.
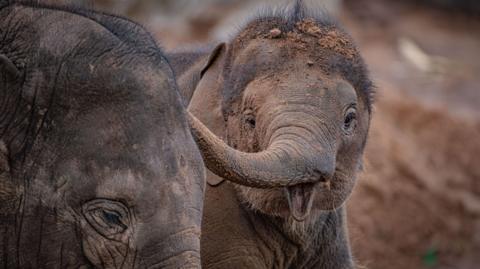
(259, 52)
(136, 184)
(286, 87)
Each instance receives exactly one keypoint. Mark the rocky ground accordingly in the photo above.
(417, 204)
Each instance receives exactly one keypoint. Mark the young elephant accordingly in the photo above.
(291, 98)
(98, 168)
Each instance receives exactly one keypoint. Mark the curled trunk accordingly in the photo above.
(272, 168)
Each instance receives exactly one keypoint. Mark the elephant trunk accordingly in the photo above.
(284, 163)
(180, 250)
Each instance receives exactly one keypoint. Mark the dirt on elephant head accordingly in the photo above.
(328, 38)
(309, 35)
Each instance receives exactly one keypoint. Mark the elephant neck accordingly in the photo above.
(319, 241)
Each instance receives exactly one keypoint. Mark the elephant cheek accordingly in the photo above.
(105, 253)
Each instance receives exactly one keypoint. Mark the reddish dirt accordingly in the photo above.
(418, 203)
(329, 39)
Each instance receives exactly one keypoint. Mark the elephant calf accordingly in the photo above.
(98, 168)
(282, 110)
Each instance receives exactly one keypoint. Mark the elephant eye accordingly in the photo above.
(109, 218)
(250, 121)
(112, 218)
(350, 120)
(249, 118)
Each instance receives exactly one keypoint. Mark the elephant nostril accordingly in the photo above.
(324, 179)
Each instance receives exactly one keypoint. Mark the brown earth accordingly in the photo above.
(418, 203)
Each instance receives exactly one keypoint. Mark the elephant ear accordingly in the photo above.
(206, 102)
(216, 54)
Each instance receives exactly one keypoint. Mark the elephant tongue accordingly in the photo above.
(300, 200)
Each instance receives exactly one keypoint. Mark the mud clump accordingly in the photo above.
(327, 37)
(308, 35)
(275, 33)
(309, 26)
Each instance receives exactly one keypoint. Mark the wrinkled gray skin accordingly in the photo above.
(284, 109)
(98, 168)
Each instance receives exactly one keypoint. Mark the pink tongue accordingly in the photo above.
(300, 200)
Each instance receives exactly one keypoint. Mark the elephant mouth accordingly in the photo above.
(300, 200)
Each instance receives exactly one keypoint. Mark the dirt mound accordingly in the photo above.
(417, 205)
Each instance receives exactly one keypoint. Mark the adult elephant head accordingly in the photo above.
(291, 98)
(97, 165)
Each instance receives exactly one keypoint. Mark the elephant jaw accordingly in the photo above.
(300, 199)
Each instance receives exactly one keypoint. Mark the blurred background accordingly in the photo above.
(417, 204)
